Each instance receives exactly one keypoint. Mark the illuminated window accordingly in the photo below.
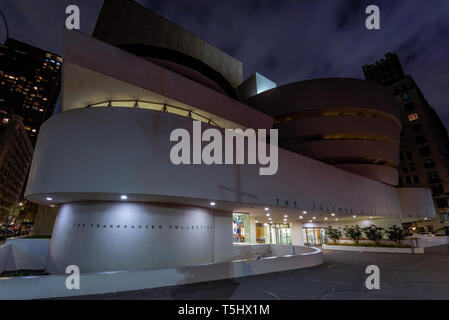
(5, 120)
(413, 117)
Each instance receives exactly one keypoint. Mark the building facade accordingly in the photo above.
(105, 161)
(424, 149)
(29, 83)
(15, 159)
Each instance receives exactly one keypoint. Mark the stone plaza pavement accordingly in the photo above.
(341, 276)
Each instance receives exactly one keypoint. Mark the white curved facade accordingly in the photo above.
(86, 159)
(89, 234)
(100, 153)
(351, 123)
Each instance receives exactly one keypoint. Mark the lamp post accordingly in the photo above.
(6, 24)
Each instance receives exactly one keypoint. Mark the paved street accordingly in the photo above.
(342, 276)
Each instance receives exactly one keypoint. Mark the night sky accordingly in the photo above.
(284, 40)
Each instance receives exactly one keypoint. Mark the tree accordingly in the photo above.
(333, 233)
(353, 232)
(395, 234)
(374, 233)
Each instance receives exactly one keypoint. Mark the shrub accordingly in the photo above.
(395, 234)
(353, 232)
(374, 233)
(333, 233)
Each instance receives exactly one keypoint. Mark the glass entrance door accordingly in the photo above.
(280, 234)
(283, 236)
(314, 236)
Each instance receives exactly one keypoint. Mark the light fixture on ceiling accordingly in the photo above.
(212, 203)
(48, 199)
(123, 197)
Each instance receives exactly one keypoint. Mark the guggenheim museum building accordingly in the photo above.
(104, 161)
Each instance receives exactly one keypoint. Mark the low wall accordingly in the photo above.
(5, 252)
(433, 241)
(418, 243)
(23, 253)
(248, 251)
(373, 249)
(383, 241)
(105, 282)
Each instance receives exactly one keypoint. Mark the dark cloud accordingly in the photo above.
(285, 40)
(350, 12)
(40, 22)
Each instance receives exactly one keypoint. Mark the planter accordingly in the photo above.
(373, 249)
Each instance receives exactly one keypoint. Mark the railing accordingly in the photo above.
(163, 107)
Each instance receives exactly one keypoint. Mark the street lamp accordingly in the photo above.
(6, 24)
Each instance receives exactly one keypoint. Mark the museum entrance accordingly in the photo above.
(314, 237)
(240, 228)
(280, 233)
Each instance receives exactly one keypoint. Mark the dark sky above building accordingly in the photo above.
(284, 40)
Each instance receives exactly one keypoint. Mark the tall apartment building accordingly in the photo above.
(29, 83)
(424, 149)
(16, 153)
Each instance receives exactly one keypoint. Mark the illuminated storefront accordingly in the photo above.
(273, 233)
(262, 233)
(314, 236)
(280, 233)
(240, 228)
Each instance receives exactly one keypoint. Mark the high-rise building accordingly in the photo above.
(424, 146)
(15, 159)
(29, 83)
